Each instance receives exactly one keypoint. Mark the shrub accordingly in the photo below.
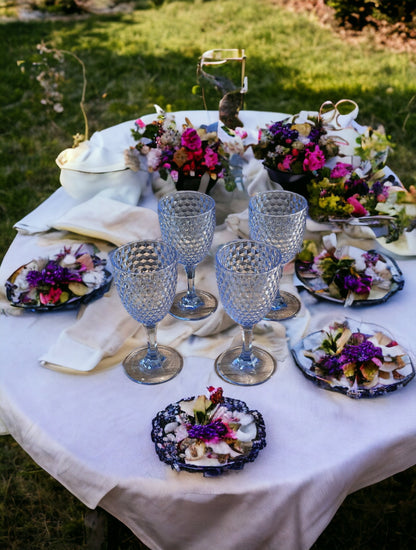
(360, 13)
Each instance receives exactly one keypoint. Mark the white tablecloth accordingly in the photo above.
(91, 432)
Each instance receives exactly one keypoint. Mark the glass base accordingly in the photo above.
(229, 368)
(150, 372)
(207, 304)
(292, 307)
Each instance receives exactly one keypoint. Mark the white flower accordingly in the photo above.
(153, 159)
(247, 432)
(94, 278)
(68, 260)
(181, 432)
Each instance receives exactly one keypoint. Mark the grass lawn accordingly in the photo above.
(147, 57)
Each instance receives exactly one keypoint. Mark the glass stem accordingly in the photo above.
(246, 352)
(278, 302)
(190, 273)
(152, 350)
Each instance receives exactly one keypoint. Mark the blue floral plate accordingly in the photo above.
(75, 275)
(394, 373)
(313, 282)
(169, 452)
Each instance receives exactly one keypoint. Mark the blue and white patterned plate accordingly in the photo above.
(168, 451)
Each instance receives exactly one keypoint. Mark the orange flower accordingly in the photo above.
(180, 157)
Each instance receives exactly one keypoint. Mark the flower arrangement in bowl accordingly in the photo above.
(208, 434)
(296, 148)
(186, 157)
(369, 196)
(75, 274)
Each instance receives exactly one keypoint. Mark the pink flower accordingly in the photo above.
(359, 209)
(191, 140)
(210, 159)
(340, 170)
(140, 124)
(86, 262)
(241, 133)
(174, 175)
(51, 298)
(285, 165)
(314, 158)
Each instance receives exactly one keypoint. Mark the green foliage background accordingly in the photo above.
(147, 57)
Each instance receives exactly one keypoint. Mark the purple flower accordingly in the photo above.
(371, 257)
(283, 132)
(330, 365)
(359, 285)
(366, 351)
(52, 274)
(207, 432)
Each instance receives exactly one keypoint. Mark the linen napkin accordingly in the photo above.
(40, 219)
(110, 220)
(101, 330)
(104, 325)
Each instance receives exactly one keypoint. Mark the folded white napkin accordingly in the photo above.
(110, 220)
(238, 224)
(101, 330)
(104, 325)
(40, 219)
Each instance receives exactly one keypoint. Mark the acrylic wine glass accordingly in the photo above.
(248, 278)
(145, 275)
(187, 222)
(279, 218)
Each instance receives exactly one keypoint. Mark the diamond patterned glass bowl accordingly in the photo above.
(187, 222)
(145, 274)
(279, 218)
(247, 277)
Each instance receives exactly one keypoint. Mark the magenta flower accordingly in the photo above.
(314, 159)
(191, 140)
(240, 132)
(340, 170)
(210, 159)
(359, 209)
(140, 124)
(285, 165)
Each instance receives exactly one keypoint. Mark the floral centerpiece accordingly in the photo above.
(182, 155)
(208, 433)
(357, 358)
(345, 192)
(297, 147)
(74, 272)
